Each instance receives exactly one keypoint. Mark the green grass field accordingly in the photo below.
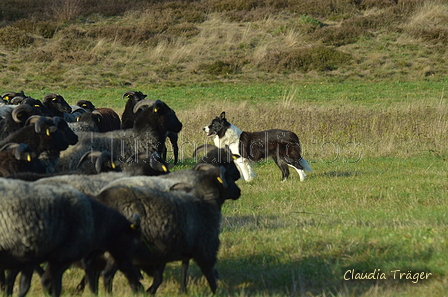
(375, 204)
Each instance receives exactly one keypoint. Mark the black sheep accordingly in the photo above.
(58, 225)
(178, 225)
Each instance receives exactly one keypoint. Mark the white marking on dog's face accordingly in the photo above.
(206, 129)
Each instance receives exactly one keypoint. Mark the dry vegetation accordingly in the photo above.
(70, 43)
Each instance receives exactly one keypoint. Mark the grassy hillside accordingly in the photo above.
(140, 44)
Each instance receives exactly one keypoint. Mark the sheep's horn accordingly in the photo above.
(97, 112)
(105, 155)
(37, 121)
(16, 112)
(87, 155)
(205, 147)
(144, 102)
(17, 148)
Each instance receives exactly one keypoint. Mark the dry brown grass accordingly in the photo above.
(201, 41)
(401, 130)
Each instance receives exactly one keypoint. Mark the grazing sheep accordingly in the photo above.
(15, 118)
(8, 96)
(59, 107)
(58, 225)
(219, 157)
(148, 135)
(94, 162)
(176, 225)
(129, 115)
(107, 119)
(87, 122)
(37, 104)
(40, 134)
(18, 157)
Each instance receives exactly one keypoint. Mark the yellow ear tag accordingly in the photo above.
(77, 119)
(6, 97)
(47, 131)
(234, 157)
(164, 168)
(133, 227)
(220, 180)
(112, 164)
(54, 99)
(99, 120)
(156, 109)
(28, 157)
(36, 105)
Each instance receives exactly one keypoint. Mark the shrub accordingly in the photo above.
(13, 38)
(319, 58)
(223, 67)
(46, 29)
(307, 19)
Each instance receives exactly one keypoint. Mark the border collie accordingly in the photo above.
(282, 145)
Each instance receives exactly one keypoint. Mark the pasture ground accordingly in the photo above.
(376, 201)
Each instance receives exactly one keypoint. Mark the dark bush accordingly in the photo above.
(13, 38)
(46, 29)
(222, 67)
(318, 58)
(434, 35)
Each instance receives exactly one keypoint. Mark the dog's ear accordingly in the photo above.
(223, 115)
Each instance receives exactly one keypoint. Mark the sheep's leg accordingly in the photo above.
(183, 283)
(208, 269)
(10, 279)
(82, 284)
(52, 278)
(108, 275)
(25, 281)
(174, 137)
(157, 273)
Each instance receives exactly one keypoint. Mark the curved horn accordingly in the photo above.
(87, 155)
(16, 148)
(97, 112)
(127, 95)
(144, 102)
(205, 147)
(16, 112)
(105, 155)
(37, 121)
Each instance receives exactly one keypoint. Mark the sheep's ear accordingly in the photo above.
(221, 178)
(157, 105)
(182, 187)
(222, 115)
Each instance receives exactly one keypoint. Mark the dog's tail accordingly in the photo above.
(305, 165)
